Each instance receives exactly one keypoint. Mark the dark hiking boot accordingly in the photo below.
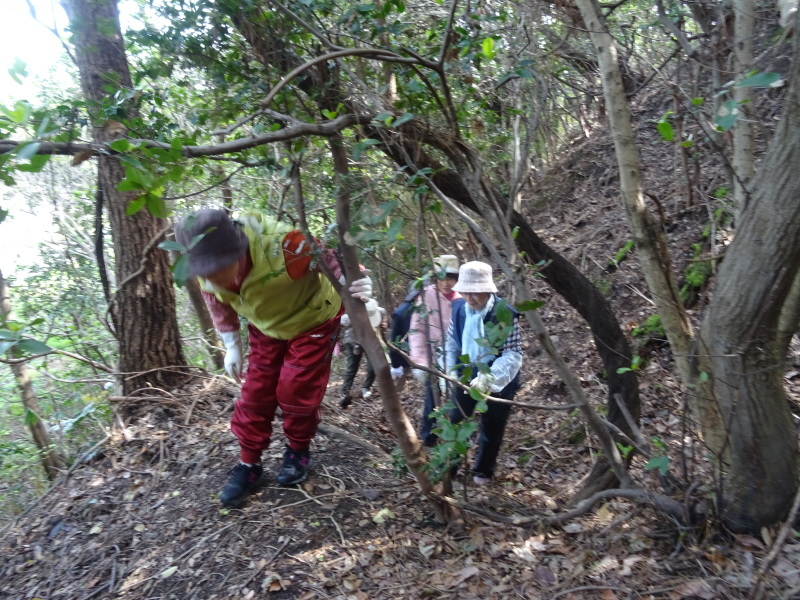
(243, 480)
(345, 400)
(295, 467)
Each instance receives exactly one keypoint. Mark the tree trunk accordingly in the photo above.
(743, 405)
(143, 310)
(406, 435)
(650, 242)
(52, 461)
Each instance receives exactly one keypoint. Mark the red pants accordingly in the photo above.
(292, 374)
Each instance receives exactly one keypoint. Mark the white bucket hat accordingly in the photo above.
(475, 277)
(448, 262)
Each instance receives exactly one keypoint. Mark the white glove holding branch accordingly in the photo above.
(362, 289)
(397, 372)
(233, 353)
(483, 382)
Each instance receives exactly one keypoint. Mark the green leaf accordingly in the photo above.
(180, 270)
(329, 114)
(761, 80)
(6, 346)
(465, 430)
(394, 233)
(666, 131)
(172, 245)
(726, 115)
(475, 394)
(703, 376)
(529, 305)
(136, 205)
(5, 334)
(31, 418)
(698, 101)
(17, 70)
(361, 147)
(3, 215)
(37, 164)
(28, 150)
(404, 118)
(658, 462)
(156, 205)
(126, 185)
(33, 346)
(377, 214)
(487, 47)
(121, 145)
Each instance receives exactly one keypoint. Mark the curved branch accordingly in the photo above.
(88, 361)
(325, 129)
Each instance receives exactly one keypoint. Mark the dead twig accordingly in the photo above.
(759, 587)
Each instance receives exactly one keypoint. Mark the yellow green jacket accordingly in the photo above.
(278, 306)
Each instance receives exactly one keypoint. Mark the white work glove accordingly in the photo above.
(420, 375)
(373, 312)
(362, 289)
(397, 372)
(345, 320)
(233, 353)
(482, 383)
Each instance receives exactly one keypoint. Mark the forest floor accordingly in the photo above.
(139, 518)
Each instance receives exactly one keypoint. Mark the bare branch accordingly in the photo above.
(325, 129)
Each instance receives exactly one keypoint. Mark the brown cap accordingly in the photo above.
(222, 244)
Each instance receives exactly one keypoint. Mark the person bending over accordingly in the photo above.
(264, 270)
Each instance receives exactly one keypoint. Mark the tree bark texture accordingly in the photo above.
(51, 459)
(651, 246)
(744, 408)
(143, 310)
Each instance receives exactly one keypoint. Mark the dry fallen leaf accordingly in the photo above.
(114, 129)
(167, 572)
(382, 515)
(426, 550)
(694, 588)
(82, 156)
(463, 575)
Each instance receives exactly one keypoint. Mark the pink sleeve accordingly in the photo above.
(417, 340)
(333, 263)
(224, 317)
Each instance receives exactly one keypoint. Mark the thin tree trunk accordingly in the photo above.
(742, 159)
(651, 245)
(51, 459)
(406, 435)
(143, 310)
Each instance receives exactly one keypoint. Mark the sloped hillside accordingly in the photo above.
(138, 517)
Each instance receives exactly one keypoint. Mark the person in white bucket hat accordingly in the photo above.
(479, 317)
(427, 334)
